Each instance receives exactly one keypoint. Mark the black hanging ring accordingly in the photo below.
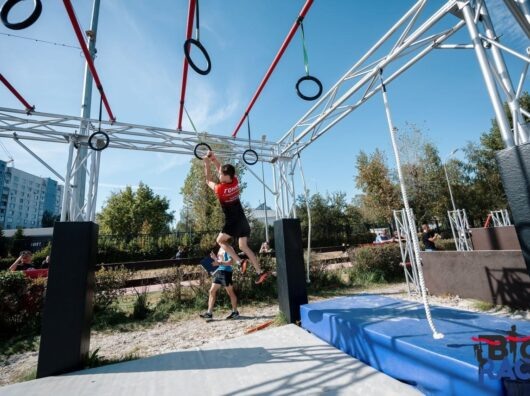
(201, 148)
(250, 157)
(197, 43)
(98, 146)
(9, 4)
(309, 78)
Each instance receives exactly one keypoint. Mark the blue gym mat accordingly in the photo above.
(394, 337)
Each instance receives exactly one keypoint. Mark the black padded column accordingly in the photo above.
(65, 335)
(292, 291)
(514, 166)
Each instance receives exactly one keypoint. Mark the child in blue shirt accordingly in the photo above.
(222, 277)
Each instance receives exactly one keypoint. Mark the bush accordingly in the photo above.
(362, 238)
(378, 263)
(18, 242)
(109, 287)
(326, 279)
(141, 307)
(39, 256)
(21, 302)
(445, 244)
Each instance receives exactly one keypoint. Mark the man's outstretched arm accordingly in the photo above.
(208, 174)
(214, 159)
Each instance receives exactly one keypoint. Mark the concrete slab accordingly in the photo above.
(280, 361)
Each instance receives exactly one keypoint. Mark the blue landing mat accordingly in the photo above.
(394, 337)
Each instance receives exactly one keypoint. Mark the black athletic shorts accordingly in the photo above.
(236, 223)
(237, 227)
(223, 278)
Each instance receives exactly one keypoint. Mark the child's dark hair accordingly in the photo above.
(228, 170)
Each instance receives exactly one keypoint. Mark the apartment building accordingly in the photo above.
(25, 197)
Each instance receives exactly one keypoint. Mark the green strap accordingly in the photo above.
(306, 59)
(191, 122)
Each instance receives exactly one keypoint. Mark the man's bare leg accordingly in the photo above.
(222, 240)
(243, 245)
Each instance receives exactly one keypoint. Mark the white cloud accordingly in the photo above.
(167, 164)
(209, 108)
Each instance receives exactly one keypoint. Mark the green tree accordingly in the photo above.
(3, 243)
(48, 219)
(485, 190)
(130, 213)
(333, 220)
(423, 174)
(18, 243)
(380, 193)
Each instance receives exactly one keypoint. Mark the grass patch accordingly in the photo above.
(26, 376)
(280, 319)
(19, 344)
(483, 305)
(95, 360)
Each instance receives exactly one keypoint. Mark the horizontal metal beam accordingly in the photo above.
(57, 128)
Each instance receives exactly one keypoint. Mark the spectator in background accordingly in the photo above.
(46, 262)
(23, 262)
(181, 253)
(265, 248)
(383, 237)
(428, 237)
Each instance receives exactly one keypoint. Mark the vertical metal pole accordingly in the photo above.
(96, 182)
(90, 201)
(449, 186)
(276, 188)
(306, 195)
(281, 171)
(518, 122)
(263, 138)
(67, 184)
(518, 16)
(80, 176)
(276, 209)
(502, 121)
(293, 166)
(525, 8)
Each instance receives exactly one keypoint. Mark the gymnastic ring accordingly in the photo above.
(97, 147)
(197, 43)
(253, 159)
(201, 146)
(9, 4)
(309, 78)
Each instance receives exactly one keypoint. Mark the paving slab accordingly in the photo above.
(284, 360)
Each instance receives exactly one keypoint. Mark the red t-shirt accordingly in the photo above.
(228, 193)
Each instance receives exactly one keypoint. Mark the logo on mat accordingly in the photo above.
(500, 356)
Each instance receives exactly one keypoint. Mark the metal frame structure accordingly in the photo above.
(54, 128)
(460, 229)
(413, 37)
(408, 259)
(500, 218)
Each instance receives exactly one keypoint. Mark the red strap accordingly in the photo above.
(286, 42)
(189, 29)
(90, 62)
(29, 108)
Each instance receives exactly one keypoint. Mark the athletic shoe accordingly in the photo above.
(262, 277)
(244, 266)
(206, 315)
(233, 315)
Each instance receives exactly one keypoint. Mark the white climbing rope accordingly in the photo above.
(408, 211)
